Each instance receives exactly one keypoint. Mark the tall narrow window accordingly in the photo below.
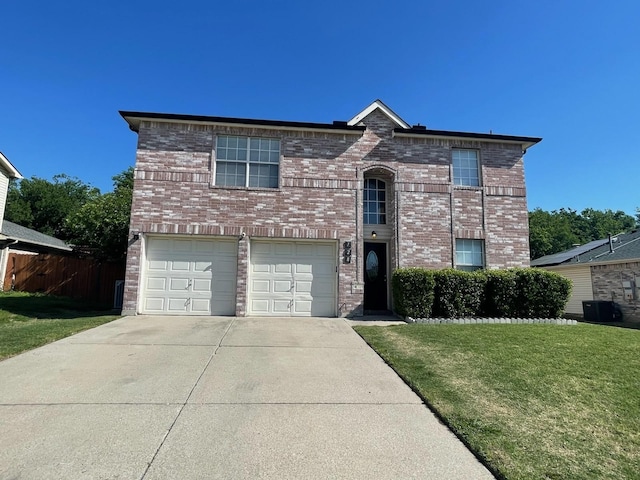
(466, 170)
(247, 162)
(375, 201)
(469, 254)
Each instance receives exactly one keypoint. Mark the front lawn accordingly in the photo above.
(30, 320)
(533, 401)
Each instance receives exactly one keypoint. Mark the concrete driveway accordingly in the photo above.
(212, 397)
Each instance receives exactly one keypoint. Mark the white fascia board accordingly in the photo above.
(382, 107)
(6, 165)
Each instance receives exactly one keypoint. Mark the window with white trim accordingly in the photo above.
(466, 168)
(247, 162)
(375, 201)
(469, 254)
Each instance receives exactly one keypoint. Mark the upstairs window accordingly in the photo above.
(247, 162)
(375, 202)
(466, 169)
(469, 254)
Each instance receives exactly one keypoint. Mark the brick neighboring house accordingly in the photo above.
(235, 216)
(607, 269)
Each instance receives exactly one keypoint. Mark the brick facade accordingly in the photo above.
(607, 285)
(320, 196)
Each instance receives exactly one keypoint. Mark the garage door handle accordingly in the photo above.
(188, 285)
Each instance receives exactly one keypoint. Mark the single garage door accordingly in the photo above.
(293, 279)
(190, 276)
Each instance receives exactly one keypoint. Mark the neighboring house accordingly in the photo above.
(18, 240)
(7, 172)
(236, 216)
(607, 269)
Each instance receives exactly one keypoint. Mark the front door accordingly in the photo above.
(375, 276)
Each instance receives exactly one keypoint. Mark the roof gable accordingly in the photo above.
(378, 105)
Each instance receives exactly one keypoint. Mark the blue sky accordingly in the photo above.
(567, 71)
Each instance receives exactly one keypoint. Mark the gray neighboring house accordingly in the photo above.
(606, 269)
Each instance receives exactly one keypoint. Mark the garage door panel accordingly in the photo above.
(190, 276)
(158, 265)
(302, 307)
(282, 286)
(281, 306)
(305, 250)
(177, 305)
(178, 284)
(282, 268)
(183, 246)
(260, 286)
(303, 287)
(202, 266)
(202, 285)
(201, 306)
(154, 304)
(283, 249)
(156, 283)
(303, 268)
(180, 266)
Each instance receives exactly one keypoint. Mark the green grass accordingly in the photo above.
(30, 320)
(532, 401)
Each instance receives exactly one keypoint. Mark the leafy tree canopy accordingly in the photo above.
(102, 224)
(43, 205)
(553, 232)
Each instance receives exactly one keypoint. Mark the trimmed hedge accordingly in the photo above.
(458, 294)
(413, 290)
(515, 293)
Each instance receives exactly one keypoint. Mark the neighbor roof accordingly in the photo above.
(13, 231)
(5, 164)
(624, 246)
(403, 128)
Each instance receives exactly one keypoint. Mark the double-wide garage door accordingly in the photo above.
(292, 278)
(190, 276)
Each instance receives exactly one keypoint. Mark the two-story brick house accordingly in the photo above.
(235, 216)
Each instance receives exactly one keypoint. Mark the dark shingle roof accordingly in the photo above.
(625, 246)
(23, 234)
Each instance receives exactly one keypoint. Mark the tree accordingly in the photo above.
(553, 232)
(43, 205)
(102, 224)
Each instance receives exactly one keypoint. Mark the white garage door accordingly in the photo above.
(293, 279)
(189, 276)
(582, 289)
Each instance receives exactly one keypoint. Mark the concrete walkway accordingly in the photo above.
(206, 398)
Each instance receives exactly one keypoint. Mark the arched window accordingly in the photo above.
(375, 201)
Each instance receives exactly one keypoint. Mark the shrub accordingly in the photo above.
(413, 292)
(500, 294)
(458, 294)
(540, 293)
(516, 292)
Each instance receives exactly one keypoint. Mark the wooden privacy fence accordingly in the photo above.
(84, 278)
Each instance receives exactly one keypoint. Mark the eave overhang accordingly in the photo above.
(525, 142)
(6, 165)
(135, 118)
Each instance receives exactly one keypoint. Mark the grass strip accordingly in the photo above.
(29, 321)
(533, 401)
